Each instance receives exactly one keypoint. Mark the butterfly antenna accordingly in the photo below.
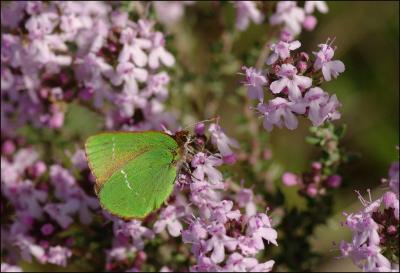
(206, 120)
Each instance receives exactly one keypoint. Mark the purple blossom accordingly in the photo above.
(222, 141)
(369, 226)
(290, 179)
(61, 213)
(247, 11)
(282, 50)
(169, 218)
(321, 6)
(195, 233)
(280, 111)
(218, 241)
(334, 181)
(133, 49)
(222, 212)
(288, 14)
(29, 248)
(79, 159)
(58, 255)
(169, 12)
(158, 53)
(310, 22)
(205, 167)
(133, 230)
(244, 198)
(290, 80)
(47, 229)
(10, 268)
(205, 264)
(238, 263)
(324, 61)
(260, 228)
(254, 82)
(321, 107)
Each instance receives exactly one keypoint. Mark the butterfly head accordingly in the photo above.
(182, 137)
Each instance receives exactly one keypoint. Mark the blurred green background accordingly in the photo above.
(367, 37)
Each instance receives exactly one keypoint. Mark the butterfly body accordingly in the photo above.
(134, 171)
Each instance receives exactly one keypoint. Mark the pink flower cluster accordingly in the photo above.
(247, 11)
(225, 230)
(314, 183)
(289, 78)
(41, 210)
(293, 18)
(54, 53)
(374, 246)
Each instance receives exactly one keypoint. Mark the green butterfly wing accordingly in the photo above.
(140, 186)
(134, 171)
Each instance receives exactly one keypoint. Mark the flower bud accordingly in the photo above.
(290, 179)
(47, 229)
(8, 147)
(310, 22)
(302, 67)
(334, 181)
(199, 128)
(312, 190)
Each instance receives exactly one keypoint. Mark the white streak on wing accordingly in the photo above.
(126, 179)
(113, 148)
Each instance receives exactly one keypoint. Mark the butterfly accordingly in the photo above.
(135, 171)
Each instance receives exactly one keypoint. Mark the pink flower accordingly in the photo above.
(255, 82)
(128, 74)
(246, 11)
(316, 99)
(218, 242)
(133, 230)
(260, 228)
(290, 15)
(279, 111)
(169, 219)
(78, 159)
(222, 212)
(205, 264)
(169, 12)
(291, 81)
(133, 48)
(222, 141)
(159, 53)
(282, 50)
(29, 249)
(248, 245)
(324, 61)
(8, 147)
(263, 267)
(238, 263)
(321, 107)
(244, 198)
(290, 179)
(58, 255)
(10, 268)
(47, 229)
(310, 22)
(205, 167)
(321, 6)
(61, 213)
(334, 181)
